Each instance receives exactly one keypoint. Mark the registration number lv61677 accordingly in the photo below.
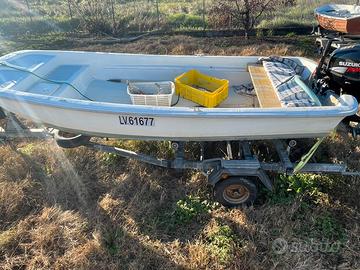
(136, 120)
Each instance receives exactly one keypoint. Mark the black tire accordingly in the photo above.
(2, 114)
(235, 191)
(352, 118)
(69, 140)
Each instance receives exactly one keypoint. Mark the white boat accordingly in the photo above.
(340, 18)
(93, 98)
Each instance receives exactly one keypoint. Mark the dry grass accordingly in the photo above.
(213, 46)
(80, 209)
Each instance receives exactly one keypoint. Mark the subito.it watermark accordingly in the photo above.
(281, 246)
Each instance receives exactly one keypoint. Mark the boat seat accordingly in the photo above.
(264, 89)
(286, 76)
(72, 74)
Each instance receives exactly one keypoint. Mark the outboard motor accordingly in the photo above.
(342, 69)
(339, 72)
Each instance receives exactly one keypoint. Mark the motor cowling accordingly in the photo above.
(343, 70)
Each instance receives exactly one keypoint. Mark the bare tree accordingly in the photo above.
(203, 14)
(29, 9)
(69, 8)
(244, 13)
(157, 13)
(112, 4)
(95, 16)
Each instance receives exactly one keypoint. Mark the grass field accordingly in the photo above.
(81, 209)
(16, 18)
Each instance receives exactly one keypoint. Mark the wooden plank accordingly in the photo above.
(264, 89)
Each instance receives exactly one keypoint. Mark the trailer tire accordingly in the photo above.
(352, 118)
(69, 140)
(2, 113)
(235, 191)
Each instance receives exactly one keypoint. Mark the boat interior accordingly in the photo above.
(104, 77)
(340, 11)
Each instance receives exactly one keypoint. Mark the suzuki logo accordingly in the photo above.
(348, 64)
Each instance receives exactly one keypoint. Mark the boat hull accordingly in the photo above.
(104, 108)
(347, 26)
(340, 18)
(179, 124)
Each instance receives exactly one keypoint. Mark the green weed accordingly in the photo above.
(328, 227)
(259, 33)
(27, 149)
(291, 34)
(222, 243)
(270, 32)
(111, 241)
(287, 188)
(190, 207)
(110, 159)
(323, 226)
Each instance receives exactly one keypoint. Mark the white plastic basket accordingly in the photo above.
(151, 93)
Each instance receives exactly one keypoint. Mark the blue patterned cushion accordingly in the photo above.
(284, 76)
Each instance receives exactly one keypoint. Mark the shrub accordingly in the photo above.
(177, 21)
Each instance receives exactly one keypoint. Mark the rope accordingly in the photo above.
(44, 79)
(305, 158)
(177, 101)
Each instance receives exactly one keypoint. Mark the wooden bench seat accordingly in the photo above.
(264, 89)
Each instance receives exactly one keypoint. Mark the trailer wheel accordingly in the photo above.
(2, 114)
(70, 140)
(235, 191)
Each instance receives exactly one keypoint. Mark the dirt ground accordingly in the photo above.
(81, 209)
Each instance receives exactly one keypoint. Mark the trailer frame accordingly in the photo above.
(329, 40)
(245, 165)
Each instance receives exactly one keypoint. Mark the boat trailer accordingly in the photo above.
(235, 178)
(327, 41)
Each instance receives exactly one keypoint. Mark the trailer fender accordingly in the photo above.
(224, 173)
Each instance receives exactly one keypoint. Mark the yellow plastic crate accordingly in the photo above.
(202, 89)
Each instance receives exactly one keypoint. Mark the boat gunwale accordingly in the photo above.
(337, 18)
(65, 52)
